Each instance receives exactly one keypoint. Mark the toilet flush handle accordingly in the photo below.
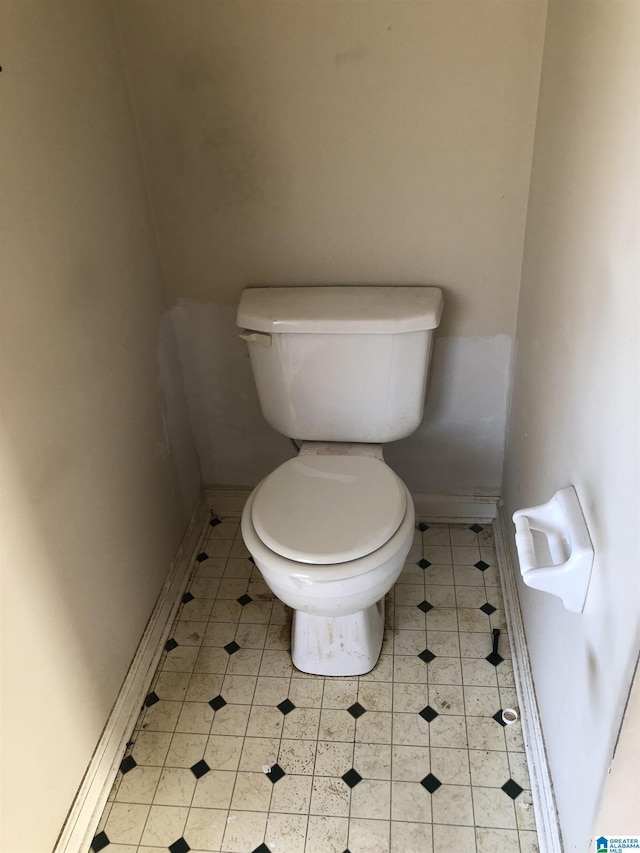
(262, 338)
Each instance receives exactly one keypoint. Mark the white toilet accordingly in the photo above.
(343, 370)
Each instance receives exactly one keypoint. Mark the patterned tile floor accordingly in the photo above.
(237, 751)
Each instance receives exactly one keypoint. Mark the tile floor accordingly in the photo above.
(237, 751)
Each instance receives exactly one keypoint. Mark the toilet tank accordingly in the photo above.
(344, 364)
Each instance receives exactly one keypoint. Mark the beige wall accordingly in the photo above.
(575, 388)
(368, 142)
(341, 142)
(620, 804)
(92, 508)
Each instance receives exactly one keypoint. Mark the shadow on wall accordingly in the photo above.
(175, 413)
(235, 445)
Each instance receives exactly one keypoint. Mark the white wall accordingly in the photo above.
(92, 506)
(574, 417)
(371, 142)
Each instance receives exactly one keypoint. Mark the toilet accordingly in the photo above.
(341, 370)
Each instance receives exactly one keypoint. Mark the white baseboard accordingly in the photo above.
(455, 508)
(230, 501)
(227, 500)
(549, 838)
(83, 818)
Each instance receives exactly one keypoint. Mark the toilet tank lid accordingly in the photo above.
(340, 309)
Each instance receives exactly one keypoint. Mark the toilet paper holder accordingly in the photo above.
(560, 558)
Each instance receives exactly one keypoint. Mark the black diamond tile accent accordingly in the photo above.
(481, 565)
(276, 773)
(428, 713)
(422, 526)
(476, 528)
(215, 521)
(99, 842)
(262, 849)
(232, 647)
(127, 764)
(151, 699)
(217, 702)
(200, 768)
(488, 609)
(356, 710)
(170, 645)
(286, 706)
(498, 717)
(431, 783)
(494, 658)
(251, 560)
(425, 606)
(202, 556)
(187, 597)
(512, 789)
(352, 777)
(244, 599)
(424, 564)
(179, 846)
(426, 656)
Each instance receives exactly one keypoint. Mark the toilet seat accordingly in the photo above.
(359, 499)
(302, 574)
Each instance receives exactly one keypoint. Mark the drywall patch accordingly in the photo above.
(458, 448)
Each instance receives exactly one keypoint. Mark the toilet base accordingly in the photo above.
(337, 645)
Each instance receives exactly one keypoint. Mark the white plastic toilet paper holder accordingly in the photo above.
(562, 524)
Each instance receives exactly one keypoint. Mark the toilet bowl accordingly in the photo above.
(330, 534)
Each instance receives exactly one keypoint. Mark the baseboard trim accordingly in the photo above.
(227, 500)
(230, 500)
(544, 805)
(90, 801)
(455, 507)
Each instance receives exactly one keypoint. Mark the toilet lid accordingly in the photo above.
(328, 509)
